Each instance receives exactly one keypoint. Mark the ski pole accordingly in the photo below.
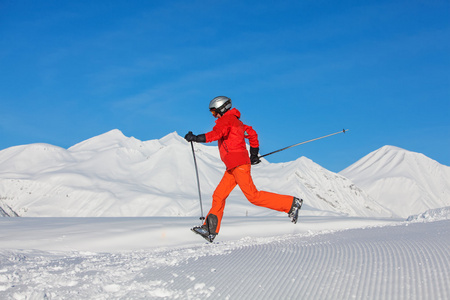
(343, 131)
(198, 181)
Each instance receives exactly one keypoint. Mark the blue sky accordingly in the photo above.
(296, 70)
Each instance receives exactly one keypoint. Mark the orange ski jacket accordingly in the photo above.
(231, 133)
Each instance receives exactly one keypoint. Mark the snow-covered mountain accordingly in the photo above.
(403, 181)
(115, 175)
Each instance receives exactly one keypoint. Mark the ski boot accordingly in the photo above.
(204, 232)
(296, 206)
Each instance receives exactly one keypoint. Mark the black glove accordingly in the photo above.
(254, 158)
(190, 137)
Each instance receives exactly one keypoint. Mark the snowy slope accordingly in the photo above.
(114, 175)
(119, 258)
(403, 181)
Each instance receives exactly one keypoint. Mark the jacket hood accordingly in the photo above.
(234, 112)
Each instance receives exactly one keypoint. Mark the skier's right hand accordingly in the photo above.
(190, 137)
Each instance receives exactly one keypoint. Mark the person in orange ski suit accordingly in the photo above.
(231, 134)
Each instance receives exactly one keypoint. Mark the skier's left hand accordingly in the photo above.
(254, 158)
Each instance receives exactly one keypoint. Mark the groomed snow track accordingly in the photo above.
(407, 261)
(399, 262)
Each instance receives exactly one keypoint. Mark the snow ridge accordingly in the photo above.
(432, 215)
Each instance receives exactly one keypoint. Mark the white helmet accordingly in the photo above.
(220, 104)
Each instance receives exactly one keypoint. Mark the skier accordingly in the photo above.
(231, 133)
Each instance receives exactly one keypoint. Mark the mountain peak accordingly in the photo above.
(403, 181)
(114, 133)
(389, 148)
(171, 138)
(378, 161)
(105, 140)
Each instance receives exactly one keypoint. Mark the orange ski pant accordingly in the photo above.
(241, 176)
